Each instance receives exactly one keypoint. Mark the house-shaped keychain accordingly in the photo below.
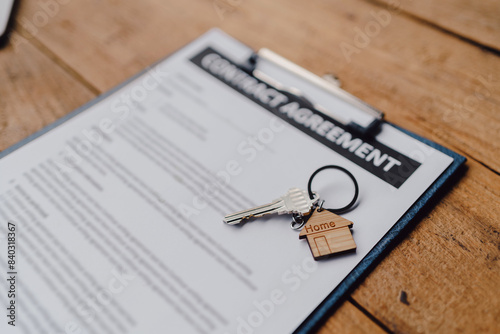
(327, 234)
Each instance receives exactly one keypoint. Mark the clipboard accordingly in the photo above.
(285, 76)
(276, 71)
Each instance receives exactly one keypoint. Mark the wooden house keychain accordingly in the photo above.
(325, 231)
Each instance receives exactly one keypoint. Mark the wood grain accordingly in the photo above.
(426, 80)
(423, 78)
(449, 266)
(474, 20)
(34, 92)
(349, 319)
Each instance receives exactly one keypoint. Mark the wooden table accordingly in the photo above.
(432, 67)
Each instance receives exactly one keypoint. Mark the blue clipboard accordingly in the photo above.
(402, 226)
(368, 263)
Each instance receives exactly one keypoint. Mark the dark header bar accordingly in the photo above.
(380, 160)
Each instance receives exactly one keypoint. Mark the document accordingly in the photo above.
(111, 222)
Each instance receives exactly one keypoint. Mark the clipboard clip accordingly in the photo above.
(372, 118)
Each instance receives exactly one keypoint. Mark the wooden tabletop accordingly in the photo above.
(432, 66)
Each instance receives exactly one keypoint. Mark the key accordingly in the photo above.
(295, 201)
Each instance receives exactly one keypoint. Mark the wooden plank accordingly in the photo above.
(475, 20)
(426, 80)
(118, 39)
(349, 319)
(34, 91)
(448, 269)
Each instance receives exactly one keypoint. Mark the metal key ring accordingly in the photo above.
(356, 187)
(298, 221)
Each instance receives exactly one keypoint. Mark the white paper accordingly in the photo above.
(5, 12)
(118, 239)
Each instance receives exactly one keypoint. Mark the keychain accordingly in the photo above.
(326, 232)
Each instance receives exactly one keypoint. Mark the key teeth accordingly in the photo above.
(232, 222)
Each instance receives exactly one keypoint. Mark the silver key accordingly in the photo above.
(295, 201)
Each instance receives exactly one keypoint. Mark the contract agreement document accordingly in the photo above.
(111, 221)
